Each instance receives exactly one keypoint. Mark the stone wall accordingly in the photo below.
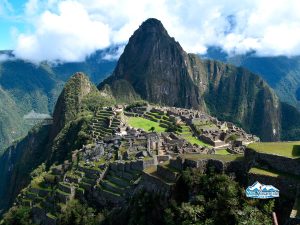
(155, 185)
(167, 174)
(279, 163)
(238, 167)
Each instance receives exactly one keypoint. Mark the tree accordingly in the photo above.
(17, 216)
(152, 129)
(76, 213)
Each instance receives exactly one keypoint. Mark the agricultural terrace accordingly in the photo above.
(162, 125)
(222, 152)
(224, 158)
(272, 173)
(186, 133)
(287, 149)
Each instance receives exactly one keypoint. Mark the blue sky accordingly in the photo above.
(8, 22)
(70, 30)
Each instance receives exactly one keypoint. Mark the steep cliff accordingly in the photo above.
(18, 161)
(154, 67)
(236, 94)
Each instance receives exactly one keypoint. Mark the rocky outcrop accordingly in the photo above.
(154, 67)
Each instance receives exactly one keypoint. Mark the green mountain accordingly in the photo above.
(281, 73)
(154, 67)
(25, 86)
(52, 143)
(79, 171)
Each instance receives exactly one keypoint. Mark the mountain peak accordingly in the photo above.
(149, 33)
(152, 25)
(69, 101)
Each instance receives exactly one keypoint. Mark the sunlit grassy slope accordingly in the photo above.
(287, 149)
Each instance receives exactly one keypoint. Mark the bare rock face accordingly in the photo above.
(154, 67)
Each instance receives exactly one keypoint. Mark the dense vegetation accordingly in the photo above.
(200, 199)
(281, 72)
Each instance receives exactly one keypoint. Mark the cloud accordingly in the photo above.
(69, 30)
(5, 56)
(69, 35)
(5, 8)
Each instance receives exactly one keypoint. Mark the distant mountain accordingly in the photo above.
(281, 73)
(25, 86)
(154, 67)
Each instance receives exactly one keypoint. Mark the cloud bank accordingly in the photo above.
(70, 30)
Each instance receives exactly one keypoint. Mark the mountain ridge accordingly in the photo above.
(26, 86)
(156, 68)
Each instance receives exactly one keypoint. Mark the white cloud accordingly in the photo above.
(3, 57)
(5, 8)
(72, 29)
(69, 35)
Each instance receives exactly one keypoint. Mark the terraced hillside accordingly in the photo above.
(104, 123)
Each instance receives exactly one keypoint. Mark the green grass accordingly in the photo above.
(256, 170)
(193, 140)
(222, 152)
(225, 158)
(273, 173)
(139, 122)
(287, 149)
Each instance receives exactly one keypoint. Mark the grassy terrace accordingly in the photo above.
(256, 170)
(139, 122)
(222, 152)
(272, 173)
(287, 149)
(145, 124)
(193, 140)
(225, 158)
(186, 134)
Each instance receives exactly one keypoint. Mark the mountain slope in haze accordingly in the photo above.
(28, 87)
(154, 67)
(25, 86)
(281, 73)
(51, 143)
